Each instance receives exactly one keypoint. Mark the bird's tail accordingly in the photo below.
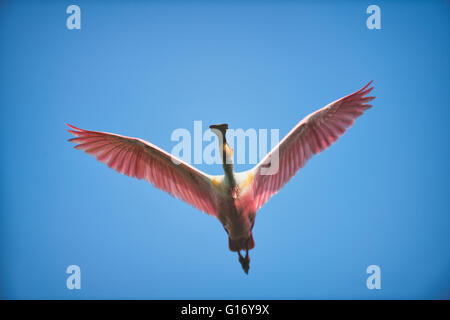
(241, 243)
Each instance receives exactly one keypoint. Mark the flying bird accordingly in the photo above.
(235, 197)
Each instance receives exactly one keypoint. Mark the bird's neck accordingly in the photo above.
(229, 174)
(227, 163)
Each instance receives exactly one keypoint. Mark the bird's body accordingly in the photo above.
(236, 209)
(233, 198)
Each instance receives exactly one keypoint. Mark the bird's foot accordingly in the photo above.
(245, 261)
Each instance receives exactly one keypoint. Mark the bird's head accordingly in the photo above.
(219, 129)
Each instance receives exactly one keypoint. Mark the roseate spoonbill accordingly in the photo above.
(235, 197)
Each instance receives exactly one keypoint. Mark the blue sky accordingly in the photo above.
(377, 196)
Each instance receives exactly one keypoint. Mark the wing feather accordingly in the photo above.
(142, 160)
(310, 136)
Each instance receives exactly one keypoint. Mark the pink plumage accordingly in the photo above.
(233, 198)
(313, 134)
(142, 160)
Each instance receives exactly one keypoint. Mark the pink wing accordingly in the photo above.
(313, 134)
(142, 160)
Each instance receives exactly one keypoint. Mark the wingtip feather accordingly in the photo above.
(363, 89)
(73, 127)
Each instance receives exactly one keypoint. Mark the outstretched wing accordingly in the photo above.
(142, 160)
(313, 134)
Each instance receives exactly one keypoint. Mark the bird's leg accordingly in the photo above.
(245, 261)
(247, 257)
(241, 259)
